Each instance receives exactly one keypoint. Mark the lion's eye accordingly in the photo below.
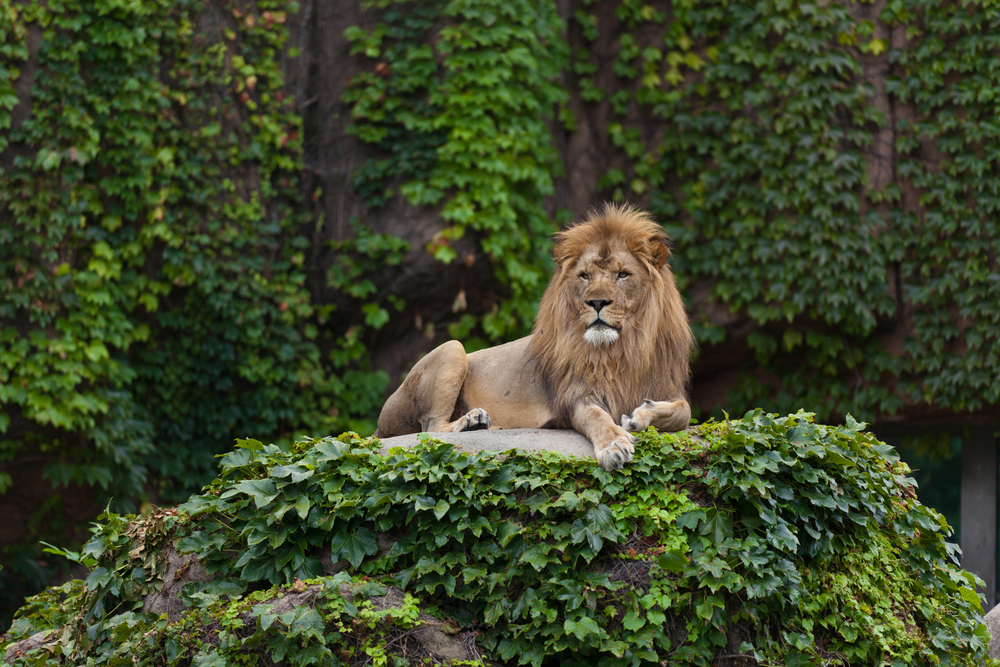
(623, 274)
(585, 275)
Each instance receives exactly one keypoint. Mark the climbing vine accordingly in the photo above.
(750, 129)
(948, 155)
(153, 258)
(759, 176)
(462, 108)
(760, 171)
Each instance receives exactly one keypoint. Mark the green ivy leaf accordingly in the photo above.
(353, 546)
(596, 523)
(673, 561)
(782, 538)
(263, 491)
(633, 621)
(582, 627)
(717, 525)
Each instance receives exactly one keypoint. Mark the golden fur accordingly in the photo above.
(611, 338)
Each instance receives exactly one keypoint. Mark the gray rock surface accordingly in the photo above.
(35, 641)
(993, 624)
(566, 441)
(180, 570)
(444, 641)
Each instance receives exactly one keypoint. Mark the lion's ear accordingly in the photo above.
(567, 246)
(659, 249)
(560, 252)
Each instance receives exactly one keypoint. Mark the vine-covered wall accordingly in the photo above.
(823, 168)
(826, 170)
(246, 219)
(156, 298)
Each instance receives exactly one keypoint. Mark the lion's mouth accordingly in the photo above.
(601, 333)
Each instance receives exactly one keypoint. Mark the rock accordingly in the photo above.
(37, 640)
(564, 441)
(440, 640)
(993, 625)
(432, 638)
(180, 570)
(503, 546)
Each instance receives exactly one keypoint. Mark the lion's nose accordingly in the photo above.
(597, 304)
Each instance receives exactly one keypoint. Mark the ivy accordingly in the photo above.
(759, 166)
(155, 271)
(774, 539)
(464, 121)
(154, 253)
(333, 629)
(948, 155)
(764, 126)
(13, 48)
(749, 128)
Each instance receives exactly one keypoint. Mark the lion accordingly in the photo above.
(611, 337)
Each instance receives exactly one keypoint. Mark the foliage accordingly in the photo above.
(949, 269)
(153, 256)
(769, 128)
(464, 124)
(775, 539)
(333, 628)
(751, 129)
(767, 119)
(162, 294)
(145, 262)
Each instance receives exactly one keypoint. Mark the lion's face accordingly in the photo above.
(606, 285)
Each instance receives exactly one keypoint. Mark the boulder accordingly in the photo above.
(167, 598)
(993, 625)
(36, 641)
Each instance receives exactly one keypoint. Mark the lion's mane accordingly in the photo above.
(650, 359)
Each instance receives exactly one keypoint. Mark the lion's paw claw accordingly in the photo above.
(616, 454)
(476, 420)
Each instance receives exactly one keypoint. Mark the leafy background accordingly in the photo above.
(244, 219)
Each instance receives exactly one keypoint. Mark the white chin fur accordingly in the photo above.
(598, 336)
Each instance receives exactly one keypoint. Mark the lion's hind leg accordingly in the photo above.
(662, 415)
(426, 400)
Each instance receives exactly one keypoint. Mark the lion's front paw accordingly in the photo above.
(640, 418)
(474, 420)
(616, 454)
(631, 425)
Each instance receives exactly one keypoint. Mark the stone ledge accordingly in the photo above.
(564, 441)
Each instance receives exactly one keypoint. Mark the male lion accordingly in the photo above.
(611, 337)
